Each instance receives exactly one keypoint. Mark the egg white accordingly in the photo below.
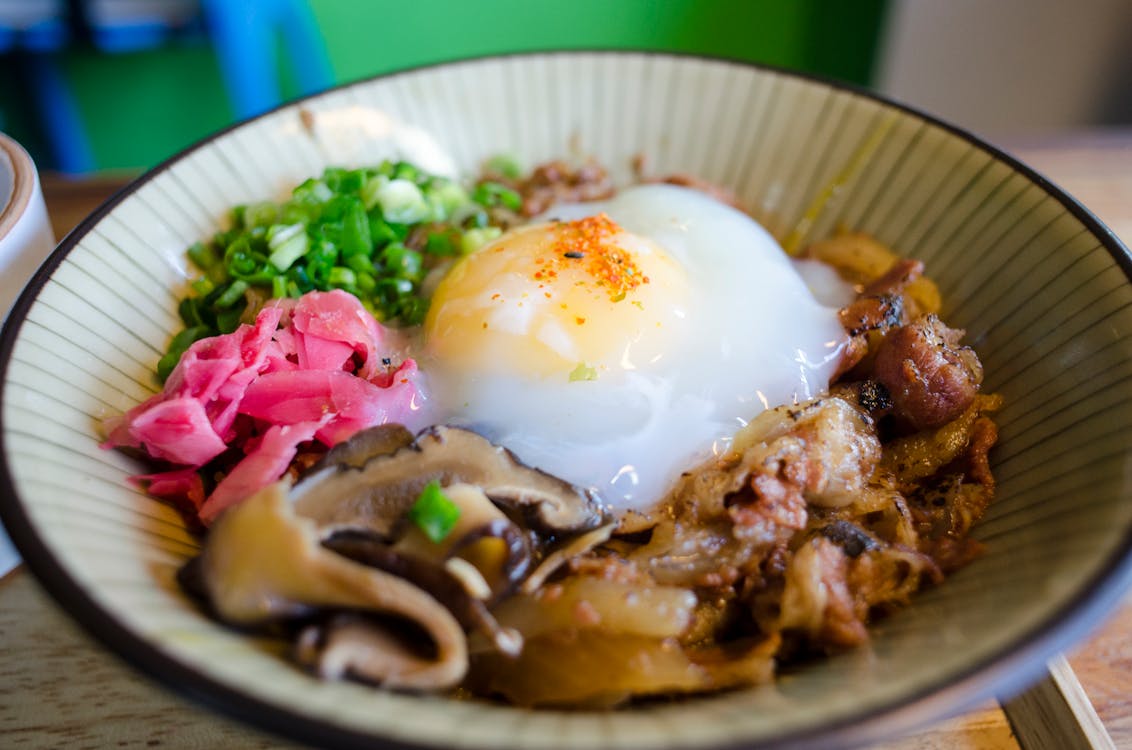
(751, 336)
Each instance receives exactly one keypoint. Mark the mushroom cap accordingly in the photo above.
(262, 563)
(339, 543)
(373, 488)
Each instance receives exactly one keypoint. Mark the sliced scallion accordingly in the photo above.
(233, 294)
(434, 513)
(504, 165)
(288, 243)
(178, 346)
(342, 277)
(474, 239)
(402, 202)
(373, 231)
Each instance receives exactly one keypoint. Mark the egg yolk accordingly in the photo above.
(574, 298)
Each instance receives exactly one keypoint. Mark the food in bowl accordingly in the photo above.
(603, 444)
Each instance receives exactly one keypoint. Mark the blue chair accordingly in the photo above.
(33, 25)
(243, 34)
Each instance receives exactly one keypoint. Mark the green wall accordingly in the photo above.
(140, 108)
(830, 37)
(143, 107)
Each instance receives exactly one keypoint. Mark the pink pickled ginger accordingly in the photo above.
(307, 369)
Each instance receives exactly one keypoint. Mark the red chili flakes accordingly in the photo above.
(589, 242)
(579, 320)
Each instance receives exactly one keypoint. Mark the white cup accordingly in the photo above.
(25, 231)
(25, 240)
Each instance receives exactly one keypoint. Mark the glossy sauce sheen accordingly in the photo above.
(615, 385)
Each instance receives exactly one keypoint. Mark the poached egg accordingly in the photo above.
(617, 344)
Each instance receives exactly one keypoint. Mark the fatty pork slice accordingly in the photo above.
(931, 377)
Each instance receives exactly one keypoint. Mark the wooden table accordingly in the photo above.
(60, 689)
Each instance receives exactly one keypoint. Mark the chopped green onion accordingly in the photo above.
(583, 372)
(256, 214)
(413, 310)
(288, 243)
(371, 189)
(474, 239)
(190, 311)
(340, 276)
(356, 238)
(302, 281)
(294, 212)
(203, 286)
(374, 231)
(366, 283)
(313, 191)
(381, 232)
(344, 180)
(233, 294)
(504, 165)
(241, 260)
(177, 347)
(491, 194)
(401, 261)
(359, 263)
(402, 202)
(434, 513)
(229, 320)
(203, 256)
(440, 243)
(395, 288)
(444, 197)
(476, 218)
(403, 170)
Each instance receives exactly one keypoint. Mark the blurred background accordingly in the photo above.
(116, 86)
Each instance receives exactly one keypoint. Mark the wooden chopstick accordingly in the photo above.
(1056, 714)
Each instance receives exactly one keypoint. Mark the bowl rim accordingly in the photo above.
(1003, 673)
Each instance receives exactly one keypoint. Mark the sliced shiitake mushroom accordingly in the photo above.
(337, 551)
(376, 493)
(263, 563)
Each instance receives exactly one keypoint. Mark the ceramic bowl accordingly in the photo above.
(1041, 287)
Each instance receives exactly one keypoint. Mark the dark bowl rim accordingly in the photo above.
(1002, 674)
